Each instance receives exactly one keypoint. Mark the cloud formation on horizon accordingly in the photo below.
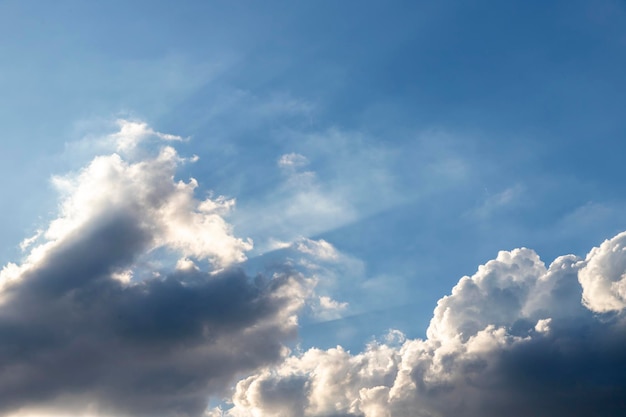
(514, 339)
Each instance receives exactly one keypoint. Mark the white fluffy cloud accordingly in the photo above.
(165, 210)
(604, 276)
(513, 339)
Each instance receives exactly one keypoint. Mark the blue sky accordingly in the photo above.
(380, 151)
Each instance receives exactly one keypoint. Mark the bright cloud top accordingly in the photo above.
(145, 192)
(604, 277)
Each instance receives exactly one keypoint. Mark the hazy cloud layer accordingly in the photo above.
(89, 325)
(514, 339)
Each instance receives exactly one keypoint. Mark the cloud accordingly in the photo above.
(513, 339)
(506, 198)
(145, 190)
(319, 249)
(97, 321)
(132, 133)
(329, 309)
(26, 243)
(328, 269)
(292, 160)
(132, 303)
(604, 276)
(344, 177)
(159, 347)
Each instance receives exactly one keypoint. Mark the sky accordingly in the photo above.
(312, 209)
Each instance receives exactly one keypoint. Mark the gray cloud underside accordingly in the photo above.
(155, 348)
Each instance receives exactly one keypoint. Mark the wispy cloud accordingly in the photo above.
(292, 160)
(333, 178)
(493, 203)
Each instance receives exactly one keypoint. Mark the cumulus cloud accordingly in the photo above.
(166, 210)
(514, 339)
(94, 322)
(604, 276)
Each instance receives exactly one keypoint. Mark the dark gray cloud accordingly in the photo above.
(98, 321)
(156, 347)
(574, 371)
